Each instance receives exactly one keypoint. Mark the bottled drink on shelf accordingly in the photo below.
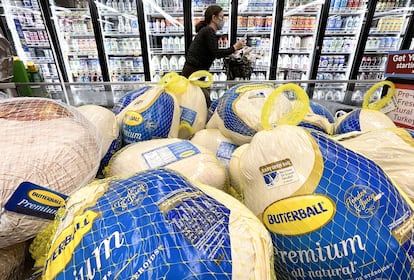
(121, 26)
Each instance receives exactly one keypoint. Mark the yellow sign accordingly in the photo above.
(299, 215)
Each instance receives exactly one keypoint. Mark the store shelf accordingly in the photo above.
(332, 69)
(83, 34)
(83, 53)
(122, 35)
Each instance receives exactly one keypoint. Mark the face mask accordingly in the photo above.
(220, 24)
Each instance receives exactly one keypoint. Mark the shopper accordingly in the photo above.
(204, 48)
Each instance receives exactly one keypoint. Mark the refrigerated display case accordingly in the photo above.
(165, 36)
(76, 39)
(121, 39)
(385, 34)
(342, 32)
(31, 40)
(254, 23)
(298, 38)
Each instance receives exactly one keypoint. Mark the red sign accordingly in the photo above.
(400, 64)
(403, 114)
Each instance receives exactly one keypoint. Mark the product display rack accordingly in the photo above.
(122, 43)
(165, 36)
(298, 39)
(254, 23)
(338, 49)
(77, 41)
(31, 38)
(385, 34)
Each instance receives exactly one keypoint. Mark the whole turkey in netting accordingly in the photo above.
(46, 146)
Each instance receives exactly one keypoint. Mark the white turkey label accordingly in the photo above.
(278, 173)
(170, 153)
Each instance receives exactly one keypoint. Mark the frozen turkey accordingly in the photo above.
(192, 160)
(216, 142)
(332, 213)
(12, 261)
(362, 120)
(238, 111)
(193, 105)
(46, 147)
(153, 114)
(105, 121)
(392, 149)
(127, 98)
(318, 118)
(158, 224)
(370, 116)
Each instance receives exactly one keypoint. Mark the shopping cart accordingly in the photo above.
(238, 68)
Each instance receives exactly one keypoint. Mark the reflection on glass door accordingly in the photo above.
(386, 32)
(297, 42)
(31, 39)
(165, 35)
(342, 32)
(77, 41)
(120, 30)
(255, 22)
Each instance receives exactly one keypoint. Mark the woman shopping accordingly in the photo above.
(204, 48)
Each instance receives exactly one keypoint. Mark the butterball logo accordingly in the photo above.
(299, 215)
(362, 201)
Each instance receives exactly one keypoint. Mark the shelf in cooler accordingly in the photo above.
(334, 53)
(170, 13)
(341, 32)
(252, 32)
(119, 13)
(371, 69)
(383, 33)
(39, 27)
(347, 11)
(128, 70)
(294, 51)
(291, 69)
(37, 45)
(169, 52)
(162, 34)
(128, 54)
(256, 13)
(369, 51)
(122, 35)
(76, 34)
(332, 69)
(297, 32)
(83, 53)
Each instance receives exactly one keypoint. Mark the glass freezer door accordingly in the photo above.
(165, 36)
(198, 8)
(255, 22)
(385, 34)
(297, 42)
(342, 32)
(121, 37)
(77, 41)
(31, 39)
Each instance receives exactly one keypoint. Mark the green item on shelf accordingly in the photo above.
(20, 76)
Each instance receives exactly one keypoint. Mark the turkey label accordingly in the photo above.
(31, 199)
(278, 173)
(170, 153)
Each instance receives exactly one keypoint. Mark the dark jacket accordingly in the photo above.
(204, 49)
